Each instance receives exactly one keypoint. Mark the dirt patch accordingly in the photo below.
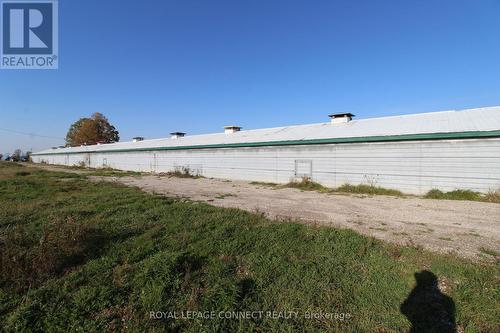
(463, 227)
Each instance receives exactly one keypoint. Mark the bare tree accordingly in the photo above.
(16, 156)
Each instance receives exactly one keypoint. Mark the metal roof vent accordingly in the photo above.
(231, 129)
(341, 118)
(176, 135)
(137, 139)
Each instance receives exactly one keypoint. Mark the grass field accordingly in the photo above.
(492, 196)
(83, 256)
(306, 184)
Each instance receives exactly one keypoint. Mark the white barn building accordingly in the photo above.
(413, 153)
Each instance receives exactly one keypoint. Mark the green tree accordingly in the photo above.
(90, 131)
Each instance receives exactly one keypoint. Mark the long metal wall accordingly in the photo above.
(413, 167)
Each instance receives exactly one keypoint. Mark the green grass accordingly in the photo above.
(306, 184)
(104, 172)
(492, 196)
(10, 165)
(109, 172)
(368, 189)
(85, 256)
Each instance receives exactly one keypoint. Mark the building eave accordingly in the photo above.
(346, 140)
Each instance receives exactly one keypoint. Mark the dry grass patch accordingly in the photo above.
(183, 172)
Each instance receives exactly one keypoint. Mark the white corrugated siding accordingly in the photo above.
(412, 167)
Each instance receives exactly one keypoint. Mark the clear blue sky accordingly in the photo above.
(153, 67)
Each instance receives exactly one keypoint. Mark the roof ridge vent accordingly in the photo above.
(341, 118)
(231, 129)
(176, 135)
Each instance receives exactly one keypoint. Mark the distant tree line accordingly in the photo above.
(85, 131)
(16, 156)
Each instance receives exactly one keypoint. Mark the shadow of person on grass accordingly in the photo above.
(427, 308)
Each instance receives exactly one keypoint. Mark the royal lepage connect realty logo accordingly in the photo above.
(29, 32)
